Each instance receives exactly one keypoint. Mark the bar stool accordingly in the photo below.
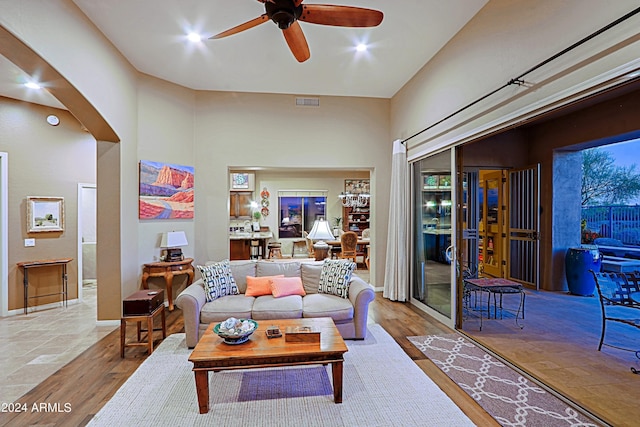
(254, 249)
(275, 250)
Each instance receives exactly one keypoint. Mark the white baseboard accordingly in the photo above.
(107, 323)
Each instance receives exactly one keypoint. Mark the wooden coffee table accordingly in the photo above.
(212, 354)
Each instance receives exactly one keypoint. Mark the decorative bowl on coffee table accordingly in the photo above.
(236, 335)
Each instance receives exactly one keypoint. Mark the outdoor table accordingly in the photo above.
(496, 285)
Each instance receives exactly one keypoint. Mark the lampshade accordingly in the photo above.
(321, 231)
(172, 239)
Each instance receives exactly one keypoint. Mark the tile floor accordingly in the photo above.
(36, 345)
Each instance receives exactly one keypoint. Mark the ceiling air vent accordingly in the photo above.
(307, 102)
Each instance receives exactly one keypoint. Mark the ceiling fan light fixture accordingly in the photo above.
(283, 19)
(283, 12)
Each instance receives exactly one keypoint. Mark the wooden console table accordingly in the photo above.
(26, 265)
(168, 270)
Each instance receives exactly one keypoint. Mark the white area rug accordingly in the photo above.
(382, 387)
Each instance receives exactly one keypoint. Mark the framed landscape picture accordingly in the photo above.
(45, 214)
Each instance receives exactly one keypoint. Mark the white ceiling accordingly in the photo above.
(151, 34)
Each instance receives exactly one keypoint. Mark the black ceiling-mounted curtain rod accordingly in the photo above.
(518, 80)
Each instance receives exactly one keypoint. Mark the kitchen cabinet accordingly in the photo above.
(240, 204)
(239, 249)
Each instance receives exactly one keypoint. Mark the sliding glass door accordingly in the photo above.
(432, 229)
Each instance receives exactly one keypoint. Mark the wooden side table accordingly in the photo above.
(26, 265)
(139, 307)
(168, 270)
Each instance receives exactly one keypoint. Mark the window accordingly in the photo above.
(298, 210)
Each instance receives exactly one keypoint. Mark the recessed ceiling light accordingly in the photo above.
(194, 37)
(33, 85)
(361, 47)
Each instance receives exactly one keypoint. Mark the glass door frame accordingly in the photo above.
(449, 321)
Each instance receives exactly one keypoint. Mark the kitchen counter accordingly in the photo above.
(436, 241)
(240, 245)
(437, 231)
(251, 236)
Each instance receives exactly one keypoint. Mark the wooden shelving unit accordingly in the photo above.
(356, 219)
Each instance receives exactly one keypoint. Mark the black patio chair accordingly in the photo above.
(615, 291)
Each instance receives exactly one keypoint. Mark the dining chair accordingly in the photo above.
(348, 245)
(366, 233)
(310, 250)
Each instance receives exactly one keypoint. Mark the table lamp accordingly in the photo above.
(170, 241)
(320, 232)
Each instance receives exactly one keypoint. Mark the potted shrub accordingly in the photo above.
(336, 225)
(256, 220)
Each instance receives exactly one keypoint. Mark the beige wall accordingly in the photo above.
(236, 130)
(99, 72)
(165, 134)
(506, 38)
(43, 161)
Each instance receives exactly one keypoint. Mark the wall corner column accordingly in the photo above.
(108, 251)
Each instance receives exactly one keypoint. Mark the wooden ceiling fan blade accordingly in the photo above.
(298, 2)
(297, 42)
(340, 16)
(242, 27)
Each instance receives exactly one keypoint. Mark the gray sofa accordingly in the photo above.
(349, 314)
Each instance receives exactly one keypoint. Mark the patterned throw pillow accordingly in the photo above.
(335, 276)
(218, 280)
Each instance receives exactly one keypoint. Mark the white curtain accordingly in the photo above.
(396, 277)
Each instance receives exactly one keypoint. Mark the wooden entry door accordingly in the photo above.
(492, 223)
(524, 226)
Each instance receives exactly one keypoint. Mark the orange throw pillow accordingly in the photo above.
(283, 286)
(258, 286)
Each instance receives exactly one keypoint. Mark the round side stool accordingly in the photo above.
(275, 250)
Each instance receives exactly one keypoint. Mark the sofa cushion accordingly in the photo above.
(257, 286)
(267, 307)
(270, 268)
(324, 305)
(284, 286)
(240, 271)
(335, 276)
(238, 306)
(310, 273)
(218, 280)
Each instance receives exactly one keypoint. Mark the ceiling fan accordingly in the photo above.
(287, 13)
